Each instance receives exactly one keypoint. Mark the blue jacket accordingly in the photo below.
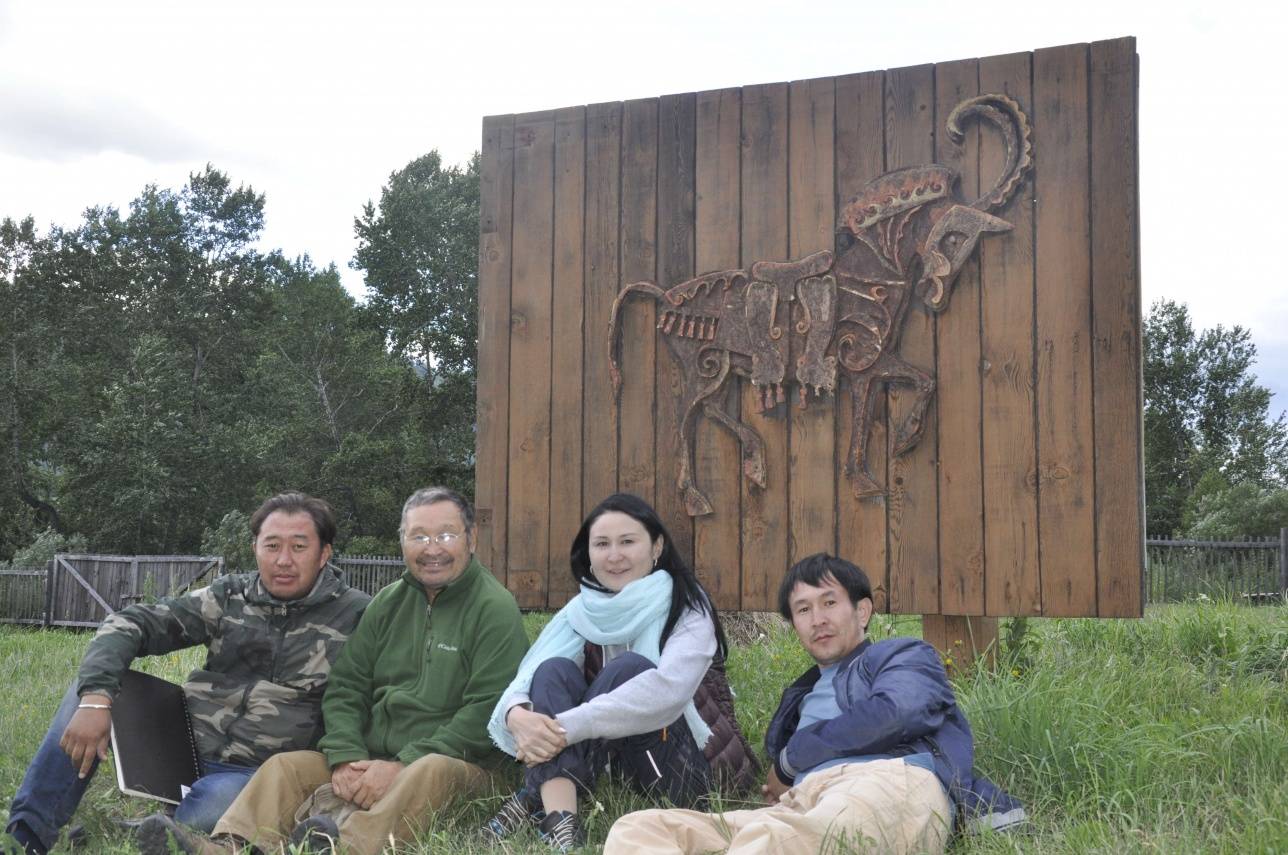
(895, 700)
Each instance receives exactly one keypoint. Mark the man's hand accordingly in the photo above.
(375, 782)
(539, 737)
(773, 787)
(87, 735)
(344, 778)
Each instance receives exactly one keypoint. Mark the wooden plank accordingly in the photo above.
(1011, 578)
(1066, 467)
(491, 467)
(811, 227)
(603, 192)
(860, 157)
(961, 472)
(566, 356)
(528, 550)
(717, 542)
(1115, 284)
(913, 488)
(637, 453)
(675, 259)
(764, 238)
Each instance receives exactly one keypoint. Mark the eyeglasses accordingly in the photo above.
(446, 538)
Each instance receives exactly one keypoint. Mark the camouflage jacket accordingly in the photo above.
(268, 660)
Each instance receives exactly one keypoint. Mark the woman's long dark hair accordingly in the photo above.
(686, 592)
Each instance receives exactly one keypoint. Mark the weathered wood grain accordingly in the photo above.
(567, 369)
(860, 157)
(1011, 581)
(913, 486)
(528, 550)
(496, 199)
(812, 437)
(676, 151)
(602, 281)
(1115, 283)
(1066, 466)
(961, 468)
(717, 541)
(637, 453)
(764, 237)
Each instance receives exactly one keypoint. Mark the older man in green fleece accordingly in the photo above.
(406, 710)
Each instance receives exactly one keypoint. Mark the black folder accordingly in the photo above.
(152, 741)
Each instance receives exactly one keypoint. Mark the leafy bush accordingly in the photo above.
(48, 544)
(231, 539)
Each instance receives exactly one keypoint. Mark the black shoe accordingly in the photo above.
(156, 832)
(520, 810)
(24, 841)
(317, 834)
(562, 831)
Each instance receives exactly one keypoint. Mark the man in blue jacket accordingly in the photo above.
(869, 748)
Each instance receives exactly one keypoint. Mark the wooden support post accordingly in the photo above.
(49, 593)
(1283, 562)
(961, 639)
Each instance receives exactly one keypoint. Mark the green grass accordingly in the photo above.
(1168, 734)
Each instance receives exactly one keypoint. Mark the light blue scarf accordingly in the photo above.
(633, 617)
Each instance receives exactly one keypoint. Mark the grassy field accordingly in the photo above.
(1168, 734)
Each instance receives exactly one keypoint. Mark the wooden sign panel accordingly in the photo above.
(963, 303)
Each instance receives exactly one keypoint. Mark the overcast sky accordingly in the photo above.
(316, 103)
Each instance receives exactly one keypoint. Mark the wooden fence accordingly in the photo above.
(81, 590)
(22, 595)
(1024, 495)
(369, 573)
(1253, 571)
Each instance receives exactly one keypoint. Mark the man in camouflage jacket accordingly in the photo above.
(272, 638)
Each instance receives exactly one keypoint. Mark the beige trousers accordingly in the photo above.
(878, 806)
(264, 813)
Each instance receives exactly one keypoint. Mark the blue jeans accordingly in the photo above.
(651, 762)
(50, 791)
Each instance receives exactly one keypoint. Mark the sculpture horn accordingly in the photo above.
(1004, 113)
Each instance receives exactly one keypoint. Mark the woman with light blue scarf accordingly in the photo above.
(612, 679)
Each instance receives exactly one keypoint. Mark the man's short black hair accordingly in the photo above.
(813, 570)
(297, 503)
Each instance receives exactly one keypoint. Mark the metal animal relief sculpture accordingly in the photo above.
(904, 235)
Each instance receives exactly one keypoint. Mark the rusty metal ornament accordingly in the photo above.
(904, 235)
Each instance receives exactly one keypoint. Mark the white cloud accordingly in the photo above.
(50, 125)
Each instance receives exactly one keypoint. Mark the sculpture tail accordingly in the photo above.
(614, 327)
(1005, 114)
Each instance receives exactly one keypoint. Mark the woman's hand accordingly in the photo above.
(539, 737)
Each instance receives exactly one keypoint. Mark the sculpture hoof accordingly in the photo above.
(696, 504)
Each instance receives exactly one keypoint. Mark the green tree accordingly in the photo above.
(171, 302)
(1204, 413)
(332, 404)
(1243, 510)
(418, 252)
(34, 376)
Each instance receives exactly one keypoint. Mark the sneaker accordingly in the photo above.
(520, 810)
(158, 830)
(317, 834)
(562, 831)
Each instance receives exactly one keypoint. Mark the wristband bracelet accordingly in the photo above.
(93, 706)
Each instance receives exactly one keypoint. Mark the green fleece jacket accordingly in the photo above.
(421, 678)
